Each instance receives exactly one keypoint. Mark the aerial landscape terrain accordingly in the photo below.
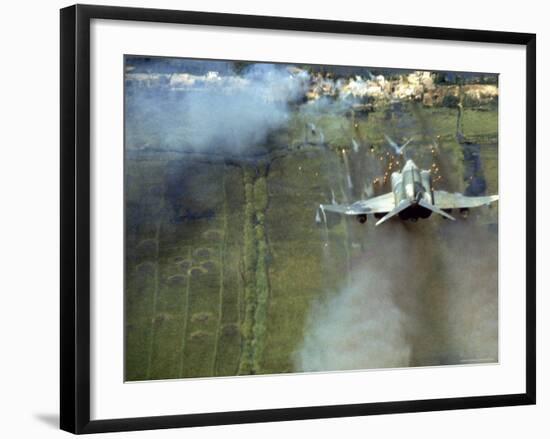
(232, 269)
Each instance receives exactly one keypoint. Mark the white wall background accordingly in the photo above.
(29, 248)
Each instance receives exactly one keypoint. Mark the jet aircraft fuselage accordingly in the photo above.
(412, 185)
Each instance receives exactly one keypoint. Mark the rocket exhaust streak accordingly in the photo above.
(355, 145)
(325, 226)
(348, 174)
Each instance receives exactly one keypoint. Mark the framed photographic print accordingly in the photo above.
(269, 218)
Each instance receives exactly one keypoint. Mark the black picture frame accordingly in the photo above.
(75, 217)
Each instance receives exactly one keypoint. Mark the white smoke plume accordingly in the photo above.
(222, 113)
(423, 294)
(360, 328)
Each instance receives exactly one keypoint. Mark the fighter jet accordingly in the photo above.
(412, 197)
(397, 148)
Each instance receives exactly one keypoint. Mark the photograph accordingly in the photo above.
(275, 219)
(301, 218)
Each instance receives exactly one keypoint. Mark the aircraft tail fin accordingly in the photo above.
(395, 211)
(435, 209)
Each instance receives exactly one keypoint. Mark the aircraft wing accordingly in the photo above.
(381, 204)
(446, 200)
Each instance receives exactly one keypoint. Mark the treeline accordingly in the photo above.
(256, 285)
(148, 64)
(462, 78)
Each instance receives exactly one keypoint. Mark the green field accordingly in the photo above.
(224, 260)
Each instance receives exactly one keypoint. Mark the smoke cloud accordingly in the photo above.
(423, 294)
(471, 275)
(360, 328)
(226, 112)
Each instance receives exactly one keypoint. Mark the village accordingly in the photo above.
(432, 89)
